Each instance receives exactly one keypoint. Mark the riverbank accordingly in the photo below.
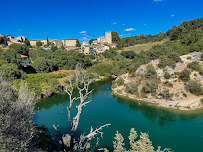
(173, 105)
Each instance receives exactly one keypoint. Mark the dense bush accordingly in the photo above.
(151, 72)
(150, 86)
(128, 54)
(166, 94)
(185, 75)
(194, 66)
(167, 75)
(168, 83)
(42, 84)
(174, 56)
(110, 54)
(163, 62)
(120, 82)
(41, 65)
(20, 48)
(194, 87)
(11, 72)
(132, 88)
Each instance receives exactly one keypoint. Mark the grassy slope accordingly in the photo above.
(139, 47)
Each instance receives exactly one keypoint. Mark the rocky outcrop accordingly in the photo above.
(180, 98)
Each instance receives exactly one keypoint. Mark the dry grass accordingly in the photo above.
(145, 47)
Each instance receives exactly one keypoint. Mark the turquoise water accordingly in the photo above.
(180, 131)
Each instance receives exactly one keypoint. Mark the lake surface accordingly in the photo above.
(180, 131)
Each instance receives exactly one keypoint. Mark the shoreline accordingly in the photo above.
(154, 103)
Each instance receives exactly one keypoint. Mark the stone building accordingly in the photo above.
(56, 42)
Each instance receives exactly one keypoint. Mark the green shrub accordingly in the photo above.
(185, 95)
(163, 62)
(168, 84)
(11, 72)
(202, 100)
(120, 82)
(174, 56)
(194, 66)
(194, 87)
(185, 75)
(189, 57)
(166, 94)
(151, 72)
(41, 84)
(150, 86)
(132, 88)
(167, 75)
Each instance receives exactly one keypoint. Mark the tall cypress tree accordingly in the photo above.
(47, 41)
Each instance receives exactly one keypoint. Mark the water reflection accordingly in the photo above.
(162, 115)
(64, 98)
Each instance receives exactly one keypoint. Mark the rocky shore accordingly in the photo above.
(181, 98)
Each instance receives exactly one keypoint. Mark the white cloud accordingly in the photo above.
(130, 29)
(84, 39)
(114, 22)
(157, 0)
(172, 15)
(83, 32)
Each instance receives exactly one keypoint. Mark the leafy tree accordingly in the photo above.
(62, 47)
(41, 65)
(27, 43)
(185, 75)
(3, 40)
(78, 43)
(39, 43)
(132, 87)
(109, 54)
(115, 37)
(128, 54)
(54, 48)
(194, 87)
(20, 48)
(166, 94)
(163, 62)
(11, 72)
(90, 41)
(150, 86)
(150, 72)
(39, 52)
(12, 56)
(194, 66)
(174, 56)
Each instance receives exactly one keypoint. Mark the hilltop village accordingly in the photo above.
(99, 45)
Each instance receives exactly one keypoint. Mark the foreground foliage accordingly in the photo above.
(142, 145)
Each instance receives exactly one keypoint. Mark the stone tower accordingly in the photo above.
(108, 37)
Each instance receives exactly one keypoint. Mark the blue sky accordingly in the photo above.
(86, 19)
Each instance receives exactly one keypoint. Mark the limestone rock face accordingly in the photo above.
(182, 99)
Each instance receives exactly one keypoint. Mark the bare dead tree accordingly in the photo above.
(82, 83)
